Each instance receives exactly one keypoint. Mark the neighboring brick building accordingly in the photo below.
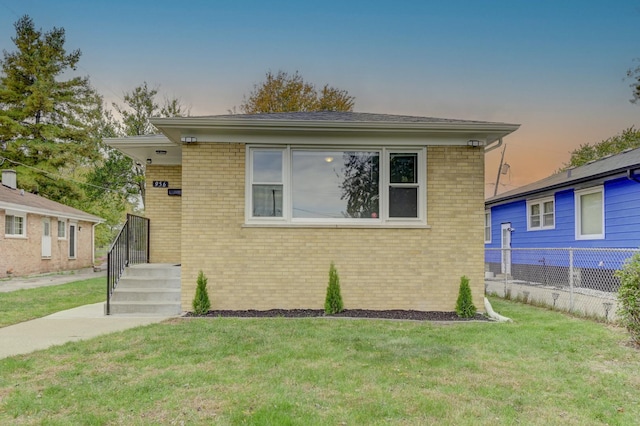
(40, 235)
(268, 201)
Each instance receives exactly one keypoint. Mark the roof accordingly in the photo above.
(605, 167)
(319, 128)
(345, 116)
(20, 200)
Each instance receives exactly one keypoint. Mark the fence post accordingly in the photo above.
(571, 278)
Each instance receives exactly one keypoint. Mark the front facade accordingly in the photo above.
(41, 236)
(267, 202)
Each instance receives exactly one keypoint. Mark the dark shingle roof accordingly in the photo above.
(36, 204)
(362, 117)
(608, 166)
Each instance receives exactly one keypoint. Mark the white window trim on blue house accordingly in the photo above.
(537, 222)
(487, 226)
(580, 234)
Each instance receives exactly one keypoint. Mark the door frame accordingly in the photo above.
(45, 249)
(505, 245)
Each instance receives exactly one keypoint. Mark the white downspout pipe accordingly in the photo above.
(492, 314)
(491, 147)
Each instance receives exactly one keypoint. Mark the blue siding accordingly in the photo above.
(622, 220)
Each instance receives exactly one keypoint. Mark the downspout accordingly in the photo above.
(491, 147)
(631, 176)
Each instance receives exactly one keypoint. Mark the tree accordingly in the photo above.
(333, 301)
(360, 184)
(201, 303)
(290, 93)
(634, 73)
(464, 304)
(45, 121)
(629, 138)
(116, 170)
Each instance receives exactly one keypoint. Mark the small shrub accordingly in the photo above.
(464, 305)
(629, 296)
(333, 302)
(201, 303)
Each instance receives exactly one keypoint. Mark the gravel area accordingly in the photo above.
(347, 313)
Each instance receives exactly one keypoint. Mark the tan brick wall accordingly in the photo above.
(164, 213)
(23, 256)
(262, 268)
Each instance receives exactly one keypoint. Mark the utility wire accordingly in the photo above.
(57, 176)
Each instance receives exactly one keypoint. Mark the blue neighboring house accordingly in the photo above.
(596, 205)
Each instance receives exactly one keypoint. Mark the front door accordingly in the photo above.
(46, 237)
(506, 248)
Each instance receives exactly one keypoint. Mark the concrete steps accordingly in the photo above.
(148, 289)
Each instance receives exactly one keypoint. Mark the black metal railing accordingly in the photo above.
(130, 247)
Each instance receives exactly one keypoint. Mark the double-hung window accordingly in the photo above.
(15, 224)
(487, 226)
(589, 208)
(62, 229)
(325, 186)
(541, 214)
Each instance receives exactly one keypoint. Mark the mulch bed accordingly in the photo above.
(347, 313)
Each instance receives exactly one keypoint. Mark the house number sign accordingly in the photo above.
(160, 184)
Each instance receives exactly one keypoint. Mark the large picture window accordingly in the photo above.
(589, 207)
(324, 186)
(541, 214)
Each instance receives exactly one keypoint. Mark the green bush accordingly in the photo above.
(201, 303)
(333, 301)
(464, 305)
(629, 296)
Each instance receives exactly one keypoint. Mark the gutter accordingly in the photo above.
(491, 146)
(632, 176)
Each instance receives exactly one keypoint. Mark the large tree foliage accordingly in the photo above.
(290, 93)
(629, 138)
(46, 122)
(116, 172)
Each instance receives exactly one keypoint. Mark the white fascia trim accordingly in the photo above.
(50, 213)
(207, 129)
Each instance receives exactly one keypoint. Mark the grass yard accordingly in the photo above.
(24, 305)
(545, 368)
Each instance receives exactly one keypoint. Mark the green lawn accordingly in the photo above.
(24, 305)
(546, 368)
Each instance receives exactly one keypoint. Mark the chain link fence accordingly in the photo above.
(581, 281)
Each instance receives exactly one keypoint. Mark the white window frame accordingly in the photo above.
(11, 213)
(382, 221)
(487, 226)
(64, 229)
(540, 202)
(578, 213)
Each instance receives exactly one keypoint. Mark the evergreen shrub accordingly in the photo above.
(464, 305)
(201, 303)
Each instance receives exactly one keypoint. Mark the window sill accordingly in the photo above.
(338, 225)
(16, 237)
(548, 228)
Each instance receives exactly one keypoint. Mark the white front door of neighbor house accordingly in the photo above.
(506, 248)
(46, 237)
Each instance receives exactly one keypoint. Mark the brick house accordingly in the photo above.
(262, 204)
(41, 235)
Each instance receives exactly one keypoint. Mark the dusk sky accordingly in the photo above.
(555, 67)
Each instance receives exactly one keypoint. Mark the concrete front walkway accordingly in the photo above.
(75, 324)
